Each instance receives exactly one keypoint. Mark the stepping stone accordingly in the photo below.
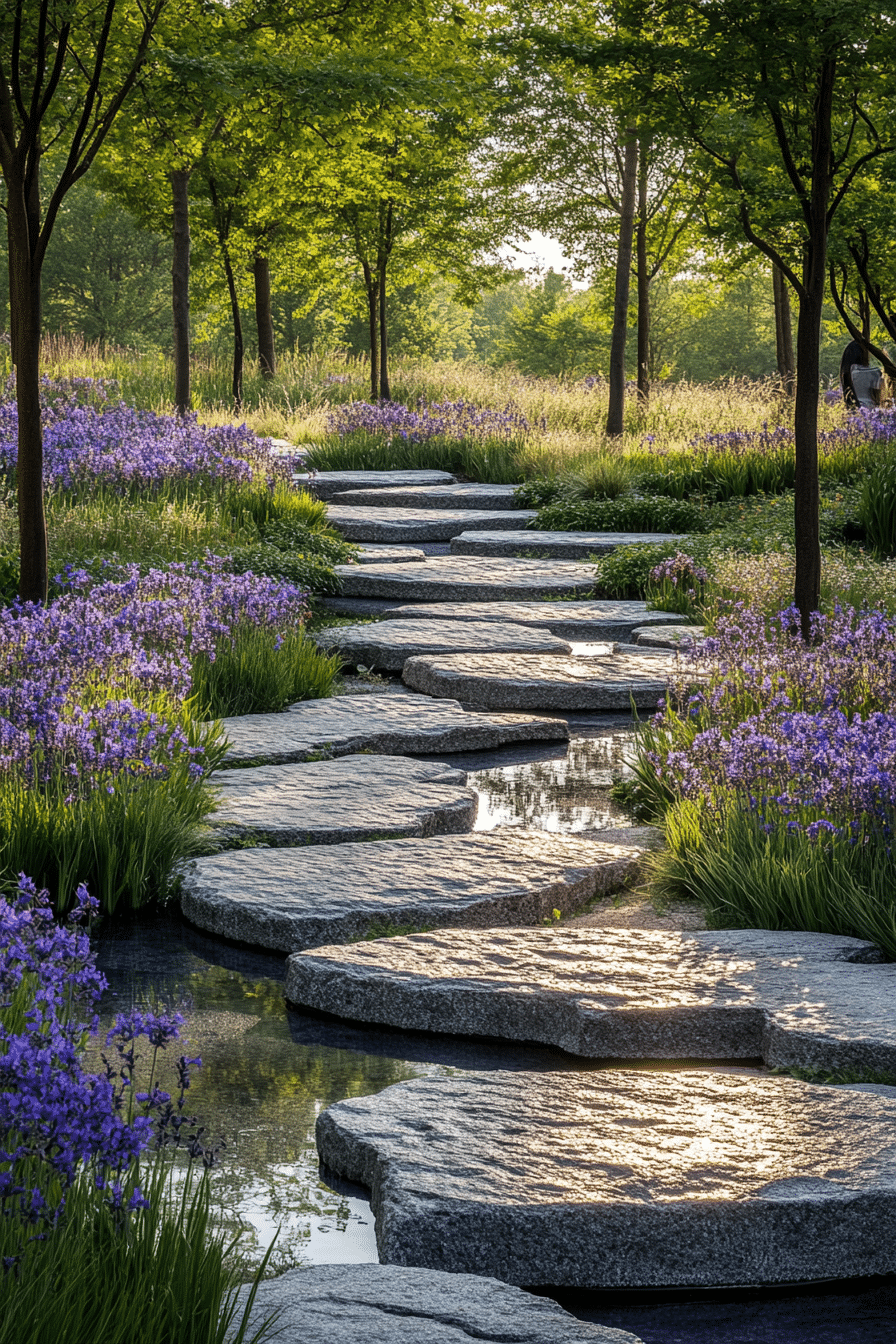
(452, 578)
(793, 999)
(582, 622)
(391, 1304)
(384, 524)
(333, 802)
(288, 899)
(389, 644)
(541, 681)
(326, 484)
(622, 1179)
(556, 545)
(668, 637)
(388, 724)
(389, 555)
(422, 495)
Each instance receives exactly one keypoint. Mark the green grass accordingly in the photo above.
(259, 671)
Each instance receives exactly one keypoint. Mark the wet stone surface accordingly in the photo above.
(559, 545)
(467, 578)
(389, 644)
(387, 1304)
(394, 524)
(386, 723)
(542, 681)
(793, 999)
(287, 899)
(622, 1178)
(326, 484)
(335, 802)
(428, 496)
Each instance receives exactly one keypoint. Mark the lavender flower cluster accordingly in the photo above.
(75, 676)
(679, 570)
(448, 420)
(862, 427)
(804, 732)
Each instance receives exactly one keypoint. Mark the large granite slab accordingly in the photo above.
(793, 999)
(388, 724)
(434, 496)
(391, 1304)
(581, 621)
(389, 555)
(326, 484)
(556, 545)
(670, 637)
(393, 524)
(624, 1179)
(333, 802)
(389, 644)
(541, 681)
(288, 899)
(467, 578)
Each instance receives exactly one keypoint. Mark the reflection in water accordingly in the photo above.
(569, 794)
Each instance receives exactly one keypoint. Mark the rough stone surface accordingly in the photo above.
(578, 621)
(794, 999)
(288, 899)
(389, 555)
(618, 1178)
(429, 496)
(389, 644)
(390, 1304)
(326, 484)
(666, 638)
(541, 681)
(384, 524)
(332, 802)
(389, 724)
(466, 578)
(556, 545)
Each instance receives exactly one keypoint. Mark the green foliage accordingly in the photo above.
(255, 503)
(496, 461)
(311, 572)
(558, 331)
(877, 508)
(164, 1274)
(258, 671)
(628, 513)
(625, 572)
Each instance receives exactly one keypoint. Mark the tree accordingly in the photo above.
(66, 68)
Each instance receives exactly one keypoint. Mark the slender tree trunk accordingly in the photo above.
(372, 287)
(382, 264)
(261, 273)
(180, 287)
(783, 332)
(236, 385)
(616, 408)
(643, 281)
(807, 585)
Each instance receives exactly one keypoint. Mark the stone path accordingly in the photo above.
(326, 484)
(621, 1178)
(451, 578)
(668, 637)
(552, 545)
(389, 644)
(541, 681)
(794, 1000)
(423, 495)
(389, 555)
(334, 802)
(288, 899)
(580, 621)
(387, 724)
(394, 524)
(388, 1304)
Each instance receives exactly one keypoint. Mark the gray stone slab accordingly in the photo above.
(389, 555)
(670, 637)
(333, 802)
(624, 1179)
(542, 681)
(326, 484)
(288, 899)
(581, 622)
(552, 545)
(434, 496)
(391, 1304)
(388, 724)
(467, 578)
(793, 999)
(385, 524)
(389, 644)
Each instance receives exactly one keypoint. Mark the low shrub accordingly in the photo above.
(261, 671)
(677, 584)
(312, 573)
(625, 572)
(627, 513)
(877, 507)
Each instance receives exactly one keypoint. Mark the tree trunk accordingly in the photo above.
(807, 585)
(264, 320)
(180, 287)
(643, 281)
(385, 393)
(236, 385)
(616, 408)
(783, 332)
(371, 286)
